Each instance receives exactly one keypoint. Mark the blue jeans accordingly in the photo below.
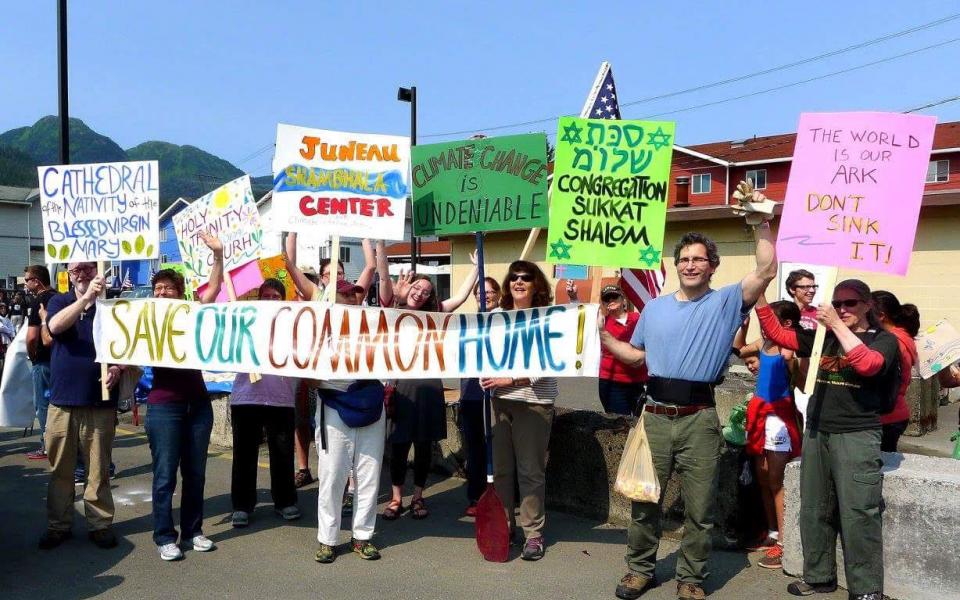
(41, 396)
(179, 434)
(619, 398)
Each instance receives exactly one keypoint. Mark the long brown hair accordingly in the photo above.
(541, 289)
(431, 304)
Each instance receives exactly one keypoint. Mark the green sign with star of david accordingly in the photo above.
(485, 184)
(609, 198)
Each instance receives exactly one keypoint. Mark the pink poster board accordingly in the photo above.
(855, 188)
(245, 278)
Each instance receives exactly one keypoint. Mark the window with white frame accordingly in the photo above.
(163, 259)
(938, 171)
(758, 177)
(163, 234)
(701, 183)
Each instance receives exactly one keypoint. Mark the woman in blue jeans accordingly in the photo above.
(178, 423)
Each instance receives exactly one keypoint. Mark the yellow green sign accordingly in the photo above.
(609, 197)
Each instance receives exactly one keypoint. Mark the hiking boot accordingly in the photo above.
(302, 478)
(170, 552)
(240, 518)
(773, 558)
(632, 586)
(365, 549)
(54, 537)
(802, 588)
(325, 554)
(533, 549)
(103, 538)
(690, 591)
(202, 543)
(289, 513)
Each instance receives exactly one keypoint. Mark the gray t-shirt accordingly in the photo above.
(690, 340)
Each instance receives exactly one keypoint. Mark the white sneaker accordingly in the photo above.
(202, 543)
(289, 513)
(170, 552)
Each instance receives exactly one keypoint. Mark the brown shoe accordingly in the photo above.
(689, 591)
(632, 586)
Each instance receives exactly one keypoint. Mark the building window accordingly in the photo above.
(759, 178)
(163, 259)
(345, 254)
(163, 234)
(701, 183)
(938, 171)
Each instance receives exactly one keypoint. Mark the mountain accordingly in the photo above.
(185, 170)
(42, 142)
(17, 168)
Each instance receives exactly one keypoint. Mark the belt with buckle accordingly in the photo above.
(673, 410)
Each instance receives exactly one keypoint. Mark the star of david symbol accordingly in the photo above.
(658, 139)
(571, 134)
(560, 250)
(650, 256)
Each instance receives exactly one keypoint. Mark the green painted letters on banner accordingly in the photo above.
(609, 201)
(486, 184)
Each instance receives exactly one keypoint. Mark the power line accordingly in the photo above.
(932, 104)
(722, 82)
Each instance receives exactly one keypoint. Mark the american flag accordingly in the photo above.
(127, 283)
(640, 285)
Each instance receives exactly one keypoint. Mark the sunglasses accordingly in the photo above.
(526, 277)
(845, 303)
(610, 297)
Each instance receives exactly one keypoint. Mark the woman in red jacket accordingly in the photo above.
(620, 386)
(903, 321)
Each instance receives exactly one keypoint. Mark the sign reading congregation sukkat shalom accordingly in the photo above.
(609, 200)
(484, 184)
(338, 183)
(328, 341)
(105, 211)
(856, 182)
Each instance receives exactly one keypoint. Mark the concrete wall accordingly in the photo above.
(921, 555)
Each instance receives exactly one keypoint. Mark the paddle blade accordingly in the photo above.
(493, 532)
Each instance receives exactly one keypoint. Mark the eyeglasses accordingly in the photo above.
(164, 288)
(489, 293)
(521, 276)
(807, 288)
(845, 303)
(693, 260)
(79, 270)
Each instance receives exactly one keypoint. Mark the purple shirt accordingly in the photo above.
(177, 386)
(271, 390)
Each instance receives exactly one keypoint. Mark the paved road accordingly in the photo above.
(435, 558)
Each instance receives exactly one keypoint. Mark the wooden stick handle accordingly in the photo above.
(104, 368)
(829, 281)
(330, 293)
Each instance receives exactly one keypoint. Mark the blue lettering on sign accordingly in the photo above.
(495, 364)
(471, 336)
(527, 333)
(553, 335)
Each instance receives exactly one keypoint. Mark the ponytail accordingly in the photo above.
(905, 316)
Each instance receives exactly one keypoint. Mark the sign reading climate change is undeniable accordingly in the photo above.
(855, 188)
(328, 341)
(338, 183)
(609, 204)
(107, 211)
(484, 184)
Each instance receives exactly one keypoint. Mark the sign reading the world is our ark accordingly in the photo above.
(483, 184)
(105, 211)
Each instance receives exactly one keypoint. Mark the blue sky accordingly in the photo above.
(221, 74)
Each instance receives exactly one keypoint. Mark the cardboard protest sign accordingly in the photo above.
(63, 282)
(855, 188)
(938, 347)
(609, 198)
(275, 267)
(485, 184)
(100, 212)
(340, 183)
(571, 272)
(230, 213)
(329, 341)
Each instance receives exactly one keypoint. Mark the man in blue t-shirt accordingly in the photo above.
(685, 339)
(79, 421)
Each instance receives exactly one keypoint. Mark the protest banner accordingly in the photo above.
(274, 267)
(609, 202)
(856, 182)
(100, 212)
(230, 213)
(340, 183)
(484, 184)
(938, 347)
(571, 272)
(330, 341)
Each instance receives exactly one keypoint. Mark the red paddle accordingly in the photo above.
(492, 529)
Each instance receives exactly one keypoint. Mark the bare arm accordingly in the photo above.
(454, 302)
(65, 318)
(304, 286)
(757, 281)
(369, 266)
(624, 352)
(383, 270)
(950, 377)
(33, 341)
(216, 273)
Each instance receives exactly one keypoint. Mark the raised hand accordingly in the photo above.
(94, 289)
(404, 281)
(212, 242)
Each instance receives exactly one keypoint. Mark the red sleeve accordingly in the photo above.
(865, 362)
(774, 331)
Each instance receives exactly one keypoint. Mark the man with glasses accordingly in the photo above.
(79, 421)
(37, 280)
(684, 338)
(802, 287)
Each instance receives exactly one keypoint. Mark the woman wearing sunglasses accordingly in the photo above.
(522, 418)
(840, 479)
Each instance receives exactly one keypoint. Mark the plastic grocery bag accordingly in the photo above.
(735, 431)
(956, 447)
(636, 476)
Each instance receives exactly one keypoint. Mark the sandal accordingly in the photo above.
(302, 478)
(418, 508)
(393, 511)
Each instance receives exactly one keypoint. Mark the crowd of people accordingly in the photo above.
(664, 362)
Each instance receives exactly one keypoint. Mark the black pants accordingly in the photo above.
(422, 452)
(249, 422)
(890, 435)
(471, 425)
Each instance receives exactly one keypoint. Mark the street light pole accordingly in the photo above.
(410, 95)
(62, 90)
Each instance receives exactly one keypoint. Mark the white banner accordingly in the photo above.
(323, 341)
(338, 183)
(106, 211)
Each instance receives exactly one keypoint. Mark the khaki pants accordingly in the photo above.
(88, 431)
(521, 434)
